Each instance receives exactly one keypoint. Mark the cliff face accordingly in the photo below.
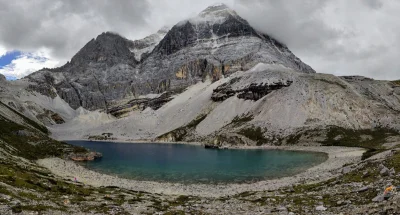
(212, 45)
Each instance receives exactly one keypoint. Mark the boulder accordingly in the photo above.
(346, 170)
(320, 208)
(378, 198)
(362, 189)
(384, 171)
(90, 156)
(392, 171)
(23, 133)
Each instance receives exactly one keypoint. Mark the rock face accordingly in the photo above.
(2, 78)
(211, 45)
(140, 104)
(142, 48)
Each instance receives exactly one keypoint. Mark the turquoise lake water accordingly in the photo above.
(195, 164)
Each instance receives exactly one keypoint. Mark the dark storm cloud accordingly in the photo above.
(64, 26)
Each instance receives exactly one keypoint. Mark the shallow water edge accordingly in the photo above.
(338, 157)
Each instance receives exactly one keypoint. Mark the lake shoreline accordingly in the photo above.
(338, 157)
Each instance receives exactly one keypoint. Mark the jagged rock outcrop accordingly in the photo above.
(143, 47)
(253, 91)
(2, 79)
(140, 104)
(212, 45)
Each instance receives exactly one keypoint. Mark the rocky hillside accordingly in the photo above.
(27, 188)
(111, 68)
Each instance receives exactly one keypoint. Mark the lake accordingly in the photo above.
(195, 164)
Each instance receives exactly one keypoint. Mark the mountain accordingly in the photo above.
(141, 48)
(211, 78)
(212, 45)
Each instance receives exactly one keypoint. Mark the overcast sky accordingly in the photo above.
(342, 37)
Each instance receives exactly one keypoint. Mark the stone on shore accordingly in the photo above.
(90, 156)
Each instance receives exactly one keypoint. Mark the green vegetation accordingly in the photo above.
(239, 120)
(33, 146)
(180, 133)
(196, 121)
(255, 134)
(332, 82)
(397, 82)
(34, 124)
(370, 139)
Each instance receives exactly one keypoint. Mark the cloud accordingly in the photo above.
(341, 37)
(3, 51)
(27, 63)
(333, 36)
(64, 27)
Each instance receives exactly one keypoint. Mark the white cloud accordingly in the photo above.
(28, 63)
(3, 51)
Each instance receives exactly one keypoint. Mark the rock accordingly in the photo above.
(320, 208)
(346, 170)
(254, 91)
(3, 79)
(378, 198)
(290, 189)
(384, 171)
(290, 213)
(211, 146)
(363, 189)
(90, 156)
(392, 171)
(140, 104)
(282, 209)
(319, 197)
(16, 206)
(23, 133)
(366, 174)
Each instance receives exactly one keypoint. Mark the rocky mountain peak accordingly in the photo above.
(212, 45)
(109, 48)
(2, 78)
(218, 10)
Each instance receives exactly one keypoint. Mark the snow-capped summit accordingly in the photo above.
(218, 10)
(144, 46)
(212, 45)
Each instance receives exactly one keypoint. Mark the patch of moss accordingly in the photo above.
(332, 82)
(27, 195)
(32, 147)
(34, 124)
(397, 82)
(242, 119)
(180, 133)
(196, 121)
(39, 208)
(255, 134)
(337, 136)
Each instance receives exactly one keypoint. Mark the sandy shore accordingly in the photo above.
(338, 156)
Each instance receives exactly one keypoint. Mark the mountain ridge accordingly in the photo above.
(111, 68)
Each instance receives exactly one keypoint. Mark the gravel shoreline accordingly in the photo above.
(338, 157)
